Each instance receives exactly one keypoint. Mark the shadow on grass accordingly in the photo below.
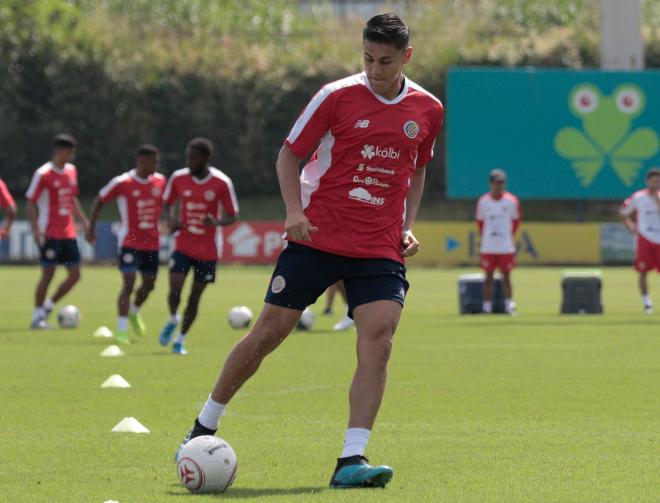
(247, 492)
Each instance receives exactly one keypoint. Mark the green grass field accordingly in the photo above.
(540, 407)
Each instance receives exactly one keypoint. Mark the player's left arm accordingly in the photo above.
(10, 215)
(409, 243)
(80, 213)
(517, 220)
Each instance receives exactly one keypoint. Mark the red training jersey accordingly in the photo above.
(213, 195)
(354, 187)
(53, 191)
(6, 200)
(140, 202)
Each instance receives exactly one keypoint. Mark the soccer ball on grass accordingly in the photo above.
(68, 317)
(207, 464)
(240, 317)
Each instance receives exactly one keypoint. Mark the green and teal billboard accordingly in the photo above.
(557, 133)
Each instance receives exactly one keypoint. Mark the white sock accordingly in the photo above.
(647, 300)
(48, 305)
(211, 414)
(355, 442)
(181, 338)
(174, 319)
(507, 304)
(122, 323)
(487, 306)
(38, 313)
(134, 309)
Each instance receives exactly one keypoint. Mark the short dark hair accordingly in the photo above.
(64, 140)
(202, 145)
(387, 29)
(147, 149)
(652, 172)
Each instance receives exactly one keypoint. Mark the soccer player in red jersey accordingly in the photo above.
(349, 216)
(498, 218)
(139, 195)
(207, 202)
(641, 215)
(52, 203)
(8, 205)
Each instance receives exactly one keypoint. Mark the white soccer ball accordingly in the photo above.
(207, 464)
(68, 317)
(240, 317)
(306, 321)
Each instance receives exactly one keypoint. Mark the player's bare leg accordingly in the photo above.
(644, 290)
(376, 323)
(189, 316)
(147, 286)
(40, 314)
(488, 292)
(274, 324)
(73, 276)
(177, 280)
(123, 303)
(509, 304)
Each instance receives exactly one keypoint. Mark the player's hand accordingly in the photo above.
(409, 244)
(3, 233)
(90, 235)
(209, 220)
(37, 238)
(298, 227)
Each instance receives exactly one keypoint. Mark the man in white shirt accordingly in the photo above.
(498, 218)
(641, 214)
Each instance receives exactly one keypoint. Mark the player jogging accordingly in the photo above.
(207, 202)
(349, 216)
(52, 203)
(644, 206)
(139, 198)
(8, 205)
(498, 218)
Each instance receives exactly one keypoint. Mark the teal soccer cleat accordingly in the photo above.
(166, 333)
(356, 471)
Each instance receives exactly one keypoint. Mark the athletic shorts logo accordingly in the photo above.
(50, 253)
(411, 129)
(170, 263)
(208, 277)
(128, 258)
(209, 195)
(278, 284)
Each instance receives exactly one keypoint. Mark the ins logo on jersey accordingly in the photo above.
(363, 195)
(411, 128)
(371, 151)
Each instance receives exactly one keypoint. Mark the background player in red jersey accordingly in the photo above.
(207, 202)
(349, 216)
(498, 218)
(641, 214)
(139, 197)
(52, 203)
(8, 205)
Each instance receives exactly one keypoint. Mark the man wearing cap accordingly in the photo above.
(498, 218)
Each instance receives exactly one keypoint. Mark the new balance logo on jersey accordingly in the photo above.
(371, 151)
(362, 124)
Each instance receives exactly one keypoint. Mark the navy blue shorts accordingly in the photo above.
(132, 260)
(60, 251)
(302, 274)
(204, 269)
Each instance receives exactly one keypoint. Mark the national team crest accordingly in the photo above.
(155, 192)
(209, 195)
(278, 284)
(411, 128)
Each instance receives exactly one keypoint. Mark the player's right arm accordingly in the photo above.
(297, 226)
(170, 197)
(97, 207)
(479, 216)
(626, 212)
(7, 202)
(33, 193)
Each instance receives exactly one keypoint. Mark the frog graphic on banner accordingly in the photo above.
(607, 137)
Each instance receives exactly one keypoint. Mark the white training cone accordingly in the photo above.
(112, 350)
(102, 333)
(130, 425)
(115, 381)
